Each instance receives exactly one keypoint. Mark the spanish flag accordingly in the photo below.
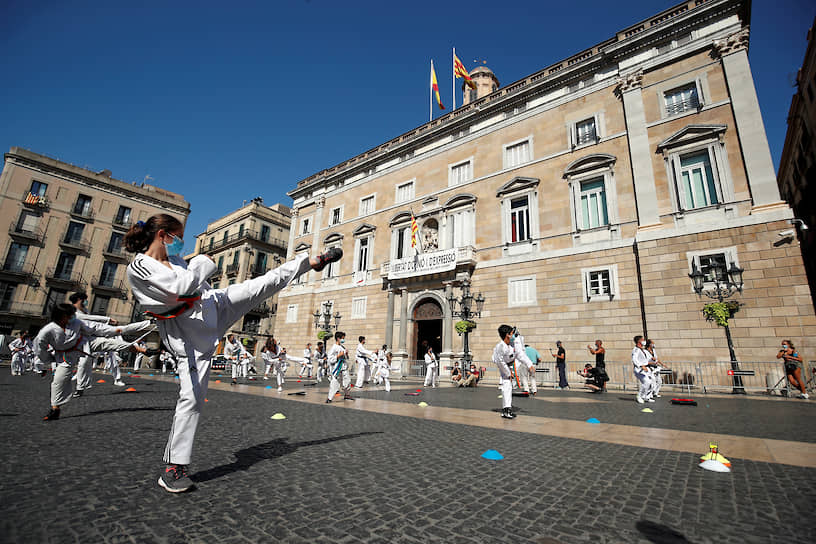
(414, 232)
(460, 71)
(435, 87)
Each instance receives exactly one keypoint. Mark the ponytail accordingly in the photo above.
(141, 235)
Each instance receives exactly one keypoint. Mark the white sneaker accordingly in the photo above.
(804, 396)
(651, 400)
(119, 383)
(266, 377)
(658, 395)
(280, 389)
(73, 378)
(640, 400)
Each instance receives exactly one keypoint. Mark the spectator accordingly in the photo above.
(595, 378)
(471, 378)
(792, 368)
(600, 354)
(561, 365)
(456, 374)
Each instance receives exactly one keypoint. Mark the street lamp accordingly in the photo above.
(467, 313)
(323, 316)
(721, 290)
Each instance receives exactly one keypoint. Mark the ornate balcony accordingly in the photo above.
(424, 264)
(78, 211)
(75, 244)
(240, 237)
(19, 272)
(111, 287)
(36, 202)
(120, 223)
(232, 269)
(21, 309)
(29, 236)
(71, 280)
(117, 254)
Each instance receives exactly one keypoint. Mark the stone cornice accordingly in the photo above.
(733, 43)
(666, 25)
(630, 82)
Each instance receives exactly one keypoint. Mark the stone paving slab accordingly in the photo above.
(329, 475)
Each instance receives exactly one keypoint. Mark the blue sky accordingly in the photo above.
(223, 102)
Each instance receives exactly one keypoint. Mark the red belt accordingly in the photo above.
(187, 302)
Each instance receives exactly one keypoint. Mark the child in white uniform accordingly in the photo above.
(338, 368)
(232, 350)
(192, 317)
(384, 367)
(364, 358)
(432, 372)
(306, 364)
(20, 351)
(503, 356)
(640, 361)
(525, 368)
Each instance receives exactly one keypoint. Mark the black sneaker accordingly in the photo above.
(52, 415)
(175, 479)
(347, 398)
(507, 413)
(77, 394)
(333, 254)
(328, 401)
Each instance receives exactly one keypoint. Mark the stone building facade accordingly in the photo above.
(245, 244)
(576, 200)
(797, 166)
(65, 230)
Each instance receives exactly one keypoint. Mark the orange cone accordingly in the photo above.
(100, 381)
(217, 381)
(206, 400)
(130, 389)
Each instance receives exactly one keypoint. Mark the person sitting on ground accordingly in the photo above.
(471, 377)
(456, 374)
(595, 378)
(792, 368)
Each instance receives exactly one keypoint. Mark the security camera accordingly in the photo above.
(802, 224)
(785, 233)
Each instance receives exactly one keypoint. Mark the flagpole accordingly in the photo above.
(453, 64)
(430, 94)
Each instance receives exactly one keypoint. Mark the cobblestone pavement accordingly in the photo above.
(331, 475)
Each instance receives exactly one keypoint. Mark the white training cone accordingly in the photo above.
(714, 466)
(278, 416)
(423, 404)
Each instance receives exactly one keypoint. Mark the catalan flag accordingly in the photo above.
(414, 232)
(460, 71)
(435, 87)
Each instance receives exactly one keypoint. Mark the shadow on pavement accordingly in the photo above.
(268, 450)
(660, 534)
(116, 410)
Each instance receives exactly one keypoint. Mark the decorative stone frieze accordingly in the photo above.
(733, 43)
(630, 82)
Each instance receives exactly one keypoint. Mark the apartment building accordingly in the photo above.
(65, 231)
(245, 244)
(576, 200)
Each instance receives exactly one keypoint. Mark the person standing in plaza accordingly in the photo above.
(792, 369)
(503, 357)
(600, 355)
(561, 365)
(384, 367)
(363, 358)
(112, 362)
(320, 362)
(232, 352)
(274, 359)
(525, 367)
(192, 317)
(306, 364)
(657, 366)
(21, 349)
(338, 368)
(432, 368)
(640, 362)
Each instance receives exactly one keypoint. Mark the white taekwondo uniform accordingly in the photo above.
(192, 319)
(384, 368)
(503, 357)
(363, 358)
(525, 368)
(432, 372)
(232, 351)
(639, 360)
(21, 350)
(306, 364)
(69, 345)
(338, 368)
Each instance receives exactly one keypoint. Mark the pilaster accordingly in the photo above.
(290, 249)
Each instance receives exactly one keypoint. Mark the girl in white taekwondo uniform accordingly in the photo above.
(192, 317)
(504, 356)
(338, 368)
(68, 337)
(432, 374)
(21, 350)
(525, 368)
(364, 358)
(306, 363)
(232, 351)
(640, 361)
(384, 367)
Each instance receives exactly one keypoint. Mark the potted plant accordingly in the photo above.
(464, 326)
(720, 312)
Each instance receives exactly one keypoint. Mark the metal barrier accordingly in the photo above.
(681, 377)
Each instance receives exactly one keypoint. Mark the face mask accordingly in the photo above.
(342, 340)
(784, 346)
(175, 247)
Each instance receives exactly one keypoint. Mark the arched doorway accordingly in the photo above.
(427, 327)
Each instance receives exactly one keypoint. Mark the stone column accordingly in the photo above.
(318, 220)
(403, 335)
(389, 320)
(640, 153)
(290, 249)
(756, 154)
(447, 325)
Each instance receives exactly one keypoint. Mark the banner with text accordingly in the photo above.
(424, 263)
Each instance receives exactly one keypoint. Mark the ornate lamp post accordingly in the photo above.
(323, 316)
(720, 291)
(467, 313)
